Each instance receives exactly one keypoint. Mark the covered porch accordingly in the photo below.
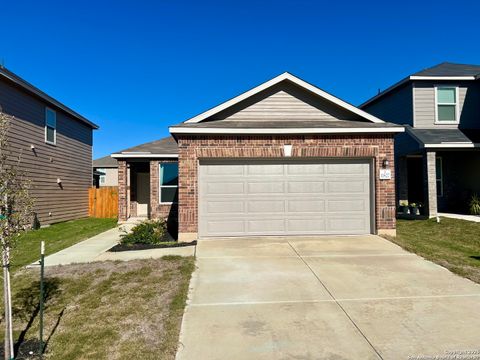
(442, 180)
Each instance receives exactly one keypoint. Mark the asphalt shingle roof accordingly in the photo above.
(105, 162)
(450, 69)
(166, 145)
(445, 136)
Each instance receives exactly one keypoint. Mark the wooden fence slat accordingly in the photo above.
(103, 202)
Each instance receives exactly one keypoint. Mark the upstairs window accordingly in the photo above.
(168, 183)
(447, 104)
(50, 126)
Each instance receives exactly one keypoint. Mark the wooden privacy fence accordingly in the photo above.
(103, 202)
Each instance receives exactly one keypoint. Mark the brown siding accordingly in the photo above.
(70, 159)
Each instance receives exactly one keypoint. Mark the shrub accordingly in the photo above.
(150, 232)
(475, 205)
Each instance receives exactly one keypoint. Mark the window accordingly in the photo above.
(447, 107)
(439, 175)
(102, 177)
(168, 183)
(50, 126)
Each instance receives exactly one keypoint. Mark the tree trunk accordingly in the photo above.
(8, 304)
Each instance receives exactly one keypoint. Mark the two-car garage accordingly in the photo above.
(285, 197)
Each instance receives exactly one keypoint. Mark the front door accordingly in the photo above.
(143, 193)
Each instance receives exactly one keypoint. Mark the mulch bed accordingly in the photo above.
(133, 247)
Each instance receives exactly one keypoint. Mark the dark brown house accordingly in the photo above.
(55, 145)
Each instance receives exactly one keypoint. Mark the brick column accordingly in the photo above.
(430, 182)
(402, 176)
(154, 184)
(122, 190)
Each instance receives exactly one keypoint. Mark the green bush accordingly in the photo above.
(475, 205)
(151, 232)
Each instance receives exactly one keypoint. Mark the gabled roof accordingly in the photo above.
(276, 80)
(105, 162)
(443, 71)
(162, 148)
(17, 80)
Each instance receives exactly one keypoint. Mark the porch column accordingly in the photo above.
(154, 184)
(122, 190)
(430, 182)
(402, 176)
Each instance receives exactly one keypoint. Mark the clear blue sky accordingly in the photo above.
(135, 67)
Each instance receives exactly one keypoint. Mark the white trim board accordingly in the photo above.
(276, 80)
(188, 130)
(144, 155)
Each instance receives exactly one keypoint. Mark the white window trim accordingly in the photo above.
(441, 175)
(54, 129)
(457, 105)
(160, 186)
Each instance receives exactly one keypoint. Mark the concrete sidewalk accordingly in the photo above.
(461, 217)
(87, 250)
(96, 249)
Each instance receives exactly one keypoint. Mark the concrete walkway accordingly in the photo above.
(461, 217)
(96, 249)
(355, 297)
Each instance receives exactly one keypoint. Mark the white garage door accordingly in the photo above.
(284, 198)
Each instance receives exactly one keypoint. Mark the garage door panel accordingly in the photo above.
(224, 188)
(266, 206)
(263, 169)
(222, 169)
(266, 187)
(224, 206)
(347, 187)
(306, 205)
(351, 204)
(306, 187)
(264, 226)
(305, 169)
(274, 198)
(306, 226)
(350, 169)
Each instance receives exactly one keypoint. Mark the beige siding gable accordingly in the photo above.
(285, 102)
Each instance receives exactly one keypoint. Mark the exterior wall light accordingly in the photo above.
(385, 163)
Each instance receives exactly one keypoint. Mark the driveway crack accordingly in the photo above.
(336, 301)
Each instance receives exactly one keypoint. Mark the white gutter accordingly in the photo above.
(189, 130)
(143, 155)
(456, 78)
(452, 145)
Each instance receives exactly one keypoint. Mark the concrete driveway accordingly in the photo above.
(355, 297)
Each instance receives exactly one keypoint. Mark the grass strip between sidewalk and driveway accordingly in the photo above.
(452, 243)
(57, 237)
(104, 310)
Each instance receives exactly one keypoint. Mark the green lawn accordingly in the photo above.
(57, 237)
(104, 310)
(452, 243)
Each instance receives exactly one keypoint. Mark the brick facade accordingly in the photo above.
(126, 191)
(193, 148)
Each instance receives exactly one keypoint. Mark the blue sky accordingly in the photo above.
(136, 67)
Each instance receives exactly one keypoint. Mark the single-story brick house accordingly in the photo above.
(284, 158)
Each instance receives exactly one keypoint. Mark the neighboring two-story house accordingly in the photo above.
(438, 157)
(55, 145)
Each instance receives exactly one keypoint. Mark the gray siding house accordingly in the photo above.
(55, 146)
(437, 158)
(105, 171)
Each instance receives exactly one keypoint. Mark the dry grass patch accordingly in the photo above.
(105, 310)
